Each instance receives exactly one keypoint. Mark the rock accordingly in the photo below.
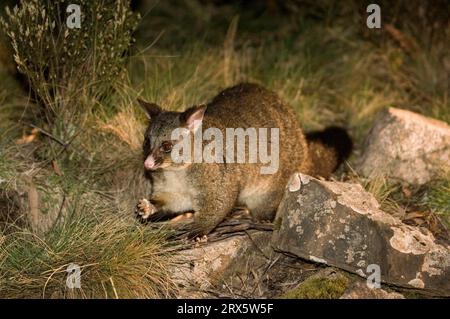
(341, 225)
(242, 266)
(406, 146)
(205, 268)
(360, 290)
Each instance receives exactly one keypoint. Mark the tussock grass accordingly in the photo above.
(118, 259)
(96, 230)
(344, 76)
(383, 190)
(421, 204)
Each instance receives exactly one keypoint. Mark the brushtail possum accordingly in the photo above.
(211, 190)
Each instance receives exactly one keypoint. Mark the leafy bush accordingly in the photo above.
(70, 70)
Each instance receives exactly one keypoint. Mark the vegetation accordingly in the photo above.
(69, 70)
(117, 260)
(69, 119)
(317, 287)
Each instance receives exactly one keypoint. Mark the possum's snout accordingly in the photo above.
(150, 163)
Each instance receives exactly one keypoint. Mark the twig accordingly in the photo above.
(271, 264)
(256, 246)
(213, 237)
(58, 218)
(443, 226)
(49, 135)
(46, 162)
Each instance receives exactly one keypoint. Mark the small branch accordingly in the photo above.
(60, 212)
(227, 229)
(49, 135)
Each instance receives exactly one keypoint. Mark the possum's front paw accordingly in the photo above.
(145, 209)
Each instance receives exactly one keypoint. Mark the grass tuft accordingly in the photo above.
(118, 259)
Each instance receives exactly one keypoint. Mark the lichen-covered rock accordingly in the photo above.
(406, 146)
(341, 225)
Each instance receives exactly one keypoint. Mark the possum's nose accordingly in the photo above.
(150, 163)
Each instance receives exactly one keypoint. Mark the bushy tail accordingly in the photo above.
(328, 149)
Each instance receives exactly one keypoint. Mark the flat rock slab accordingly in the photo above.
(341, 225)
(406, 146)
(241, 266)
(210, 265)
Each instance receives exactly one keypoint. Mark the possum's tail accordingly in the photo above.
(328, 149)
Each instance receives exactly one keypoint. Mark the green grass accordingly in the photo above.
(321, 59)
(437, 199)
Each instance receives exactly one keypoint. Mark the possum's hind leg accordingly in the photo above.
(263, 206)
(211, 209)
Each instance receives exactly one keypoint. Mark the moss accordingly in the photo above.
(319, 288)
(412, 294)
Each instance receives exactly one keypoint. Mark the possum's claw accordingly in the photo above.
(145, 209)
(200, 240)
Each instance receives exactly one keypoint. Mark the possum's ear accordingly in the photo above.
(192, 118)
(151, 109)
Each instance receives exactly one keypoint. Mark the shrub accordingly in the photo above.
(70, 70)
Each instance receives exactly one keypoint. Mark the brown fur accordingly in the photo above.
(212, 190)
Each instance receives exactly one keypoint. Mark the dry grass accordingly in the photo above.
(117, 260)
(126, 126)
(96, 230)
(383, 189)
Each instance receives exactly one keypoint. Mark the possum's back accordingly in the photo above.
(249, 105)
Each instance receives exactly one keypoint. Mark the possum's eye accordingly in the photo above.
(166, 147)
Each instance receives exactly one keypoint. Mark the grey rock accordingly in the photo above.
(209, 266)
(341, 225)
(241, 266)
(406, 146)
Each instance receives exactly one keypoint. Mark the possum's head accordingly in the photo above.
(159, 138)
